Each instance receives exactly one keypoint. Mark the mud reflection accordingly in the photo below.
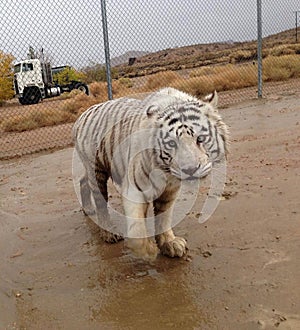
(140, 295)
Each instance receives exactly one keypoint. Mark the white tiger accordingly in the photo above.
(147, 147)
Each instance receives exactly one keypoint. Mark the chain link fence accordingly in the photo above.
(53, 54)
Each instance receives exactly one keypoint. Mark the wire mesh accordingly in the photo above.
(196, 46)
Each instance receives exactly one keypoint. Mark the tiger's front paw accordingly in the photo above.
(143, 248)
(175, 248)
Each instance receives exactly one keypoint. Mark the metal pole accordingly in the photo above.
(296, 27)
(106, 49)
(259, 48)
(296, 30)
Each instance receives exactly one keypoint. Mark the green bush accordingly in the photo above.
(97, 72)
(67, 75)
(126, 82)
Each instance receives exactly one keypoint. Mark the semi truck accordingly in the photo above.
(33, 81)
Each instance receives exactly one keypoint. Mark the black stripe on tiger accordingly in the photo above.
(164, 159)
(173, 121)
(193, 118)
(178, 131)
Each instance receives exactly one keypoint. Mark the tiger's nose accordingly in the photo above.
(190, 170)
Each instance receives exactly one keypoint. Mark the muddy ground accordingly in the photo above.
(244, 270)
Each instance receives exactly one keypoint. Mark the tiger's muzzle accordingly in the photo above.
(192, 173)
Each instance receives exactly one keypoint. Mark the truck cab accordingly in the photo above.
(28, 81)
(33, 81)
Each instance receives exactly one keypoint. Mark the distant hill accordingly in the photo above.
(194, 56)
(123, 59)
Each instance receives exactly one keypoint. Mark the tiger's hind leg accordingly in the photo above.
(95, 187)
(169, 244)
(81, 172)
(85, 194)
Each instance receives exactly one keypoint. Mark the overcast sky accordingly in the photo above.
(71, 31)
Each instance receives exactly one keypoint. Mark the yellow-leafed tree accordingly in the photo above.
(67, 75)
(6, 76)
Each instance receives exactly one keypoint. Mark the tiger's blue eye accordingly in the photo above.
(200, 139)
(172, 144)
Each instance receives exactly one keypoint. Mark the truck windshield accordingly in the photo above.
(17, 68)
(27, 67)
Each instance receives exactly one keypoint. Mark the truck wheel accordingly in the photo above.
(83, 88)
(22, 100)
(31, 96)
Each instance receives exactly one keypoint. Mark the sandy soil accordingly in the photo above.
(244, 270)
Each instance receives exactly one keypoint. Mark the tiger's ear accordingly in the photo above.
(152, 110)
(212, 99)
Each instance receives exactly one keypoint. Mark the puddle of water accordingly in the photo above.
(140, 295)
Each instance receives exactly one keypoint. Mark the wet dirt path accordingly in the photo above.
(244, 270)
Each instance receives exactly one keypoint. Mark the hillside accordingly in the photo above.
(208, 54)
(125, 57)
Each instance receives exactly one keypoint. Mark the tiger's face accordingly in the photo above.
(191, 138)
(184, 152)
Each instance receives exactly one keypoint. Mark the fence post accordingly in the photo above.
(296, 28)
(259, 48)
(106, 50)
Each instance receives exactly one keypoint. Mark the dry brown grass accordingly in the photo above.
(98, 90)
(35, 119)
(41, 116)
(202, 71)
(228, 77)
(287, 49)
(161, 79)
(281, 68)
(72, 105)
(242, 56)
(202, 81)
(220, 78)
(126, 82)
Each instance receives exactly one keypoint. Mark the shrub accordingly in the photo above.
(98, 89)
(67, 112)
(297, 49)
(97, 72)
(67, 75)
(79, 103)
(198, 86)
(36, 118)
(223, 78)
(202, 71)
(126, 82)
(6, 76)
(281, 50)
(281, 68)
(241, 56)
(161, 79)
